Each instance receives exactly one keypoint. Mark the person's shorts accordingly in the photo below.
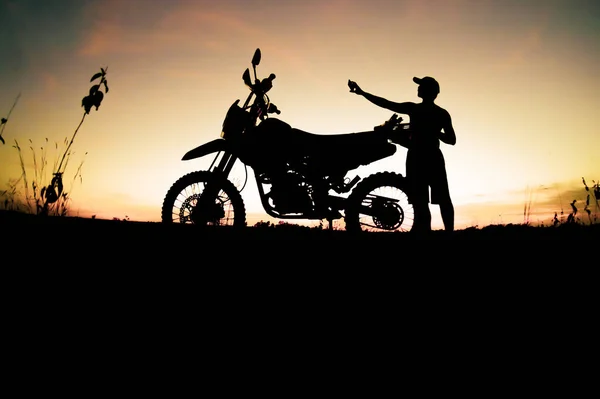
(425, 170)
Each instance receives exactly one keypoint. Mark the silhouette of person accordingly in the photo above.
(425, 165)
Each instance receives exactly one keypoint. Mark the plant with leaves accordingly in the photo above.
(52, 192)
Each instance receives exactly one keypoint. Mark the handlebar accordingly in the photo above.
(391, 124)
(394, 120)
(272, 109)
(267, 83)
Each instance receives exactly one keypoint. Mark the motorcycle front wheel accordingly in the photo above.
(379, 203)
(221, 204)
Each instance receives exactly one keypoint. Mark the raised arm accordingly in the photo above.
(401, 108)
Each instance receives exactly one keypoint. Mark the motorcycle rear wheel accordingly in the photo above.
(183, 202)
(379, 203)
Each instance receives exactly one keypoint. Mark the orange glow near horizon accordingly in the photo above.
(520, 80)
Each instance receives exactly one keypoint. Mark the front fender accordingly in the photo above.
(216, 145)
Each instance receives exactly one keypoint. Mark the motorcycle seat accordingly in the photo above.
(336, 140)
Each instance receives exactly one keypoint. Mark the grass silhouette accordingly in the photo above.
(35, 198)
(592, 216)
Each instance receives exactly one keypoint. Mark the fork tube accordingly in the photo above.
(212, 164)
(226, 163)
(221, 170)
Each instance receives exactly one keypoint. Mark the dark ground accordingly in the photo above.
(106, 236)
(181, 278)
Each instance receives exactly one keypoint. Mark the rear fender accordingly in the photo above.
(207, 148)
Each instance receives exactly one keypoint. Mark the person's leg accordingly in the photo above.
(419, 198)
(440, 193)
(416, 175)
(422, 222)
(447, 212)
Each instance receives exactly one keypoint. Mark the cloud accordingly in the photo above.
(111, 38)
(50, 82)
(115, 27)
(529, 43)
(193, 30)
(119, 28)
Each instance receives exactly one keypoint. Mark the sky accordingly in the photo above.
(519, 78)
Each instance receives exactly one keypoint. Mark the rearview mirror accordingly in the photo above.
(246, 77)
(256, 58)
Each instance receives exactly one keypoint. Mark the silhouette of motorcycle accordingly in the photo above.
(299, 175)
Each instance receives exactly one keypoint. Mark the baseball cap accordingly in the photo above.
(428, 82)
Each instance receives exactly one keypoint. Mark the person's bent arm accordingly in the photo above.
(448, 136)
